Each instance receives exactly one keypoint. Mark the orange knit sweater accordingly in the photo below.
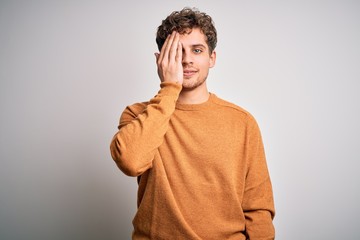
(202, 168)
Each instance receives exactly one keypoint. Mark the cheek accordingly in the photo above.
(205, 63)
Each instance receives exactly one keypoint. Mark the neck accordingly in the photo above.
(197, 95)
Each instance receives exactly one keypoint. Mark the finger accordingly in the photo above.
(167, 47)
(163, 48)
(174, 47)
(178, 57)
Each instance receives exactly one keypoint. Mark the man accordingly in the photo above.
(200, 160)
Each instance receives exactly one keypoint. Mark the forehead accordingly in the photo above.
(195, 37)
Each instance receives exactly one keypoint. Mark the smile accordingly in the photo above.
(189, 73)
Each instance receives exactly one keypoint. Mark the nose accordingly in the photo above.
(186, 58)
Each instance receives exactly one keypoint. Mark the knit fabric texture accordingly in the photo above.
(201, 168)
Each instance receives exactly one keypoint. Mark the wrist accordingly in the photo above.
(170, 88)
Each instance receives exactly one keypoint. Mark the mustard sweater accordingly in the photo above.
(201, 167)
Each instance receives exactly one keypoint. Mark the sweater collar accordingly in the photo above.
(196, 107)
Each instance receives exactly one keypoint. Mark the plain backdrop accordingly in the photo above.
(69, 68)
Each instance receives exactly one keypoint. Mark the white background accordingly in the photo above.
(69, 68)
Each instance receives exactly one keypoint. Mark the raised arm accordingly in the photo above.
(143, 126)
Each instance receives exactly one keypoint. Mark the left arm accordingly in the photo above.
(258, 202)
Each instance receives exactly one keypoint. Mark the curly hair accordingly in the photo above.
(183, 22)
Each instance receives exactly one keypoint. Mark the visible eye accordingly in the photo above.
(197, 51)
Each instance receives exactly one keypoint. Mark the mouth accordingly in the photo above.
(189, 73)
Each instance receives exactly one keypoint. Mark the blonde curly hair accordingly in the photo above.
(183, 22)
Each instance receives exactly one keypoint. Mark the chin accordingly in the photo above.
(188, 84)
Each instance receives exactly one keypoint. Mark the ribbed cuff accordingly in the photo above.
(170, 89)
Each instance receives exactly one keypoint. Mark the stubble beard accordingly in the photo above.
(191, 84)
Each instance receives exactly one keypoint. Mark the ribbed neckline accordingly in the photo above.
(196, 107)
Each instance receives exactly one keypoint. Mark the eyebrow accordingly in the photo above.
(198, 45)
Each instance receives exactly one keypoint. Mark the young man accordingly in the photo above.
(200, 160)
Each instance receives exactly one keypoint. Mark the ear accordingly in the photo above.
(212, 59)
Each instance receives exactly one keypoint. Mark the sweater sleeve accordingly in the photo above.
(258, 202)
(141, 133)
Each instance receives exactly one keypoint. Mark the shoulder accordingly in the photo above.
(136, 108)
(236, 114)
(132, 111)
(232, 108)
